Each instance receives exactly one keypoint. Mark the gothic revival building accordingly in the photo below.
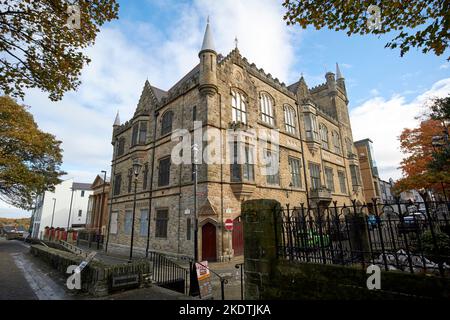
(316, 156)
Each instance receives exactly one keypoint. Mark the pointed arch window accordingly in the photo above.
(166, 125)
(266, 106)
(289, 119)
(239, 106)
(336, 142)
(324, 136)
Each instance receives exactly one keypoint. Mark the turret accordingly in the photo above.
(116, 125)
(331, 82)
(208, 64)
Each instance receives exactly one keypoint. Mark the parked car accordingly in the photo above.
(414, 222)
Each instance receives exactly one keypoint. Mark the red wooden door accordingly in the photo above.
(238, 237)
(209, 242)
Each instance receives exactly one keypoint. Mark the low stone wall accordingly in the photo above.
(268, 278)
(96, 277)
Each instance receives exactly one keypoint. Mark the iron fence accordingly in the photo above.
(406, 236)
(168, 274)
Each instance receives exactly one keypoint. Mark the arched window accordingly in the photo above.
(289, 119)
(239, 105)
(266, 105)
(336, 142)
(166, 125)
(324, 136)
(349, 146)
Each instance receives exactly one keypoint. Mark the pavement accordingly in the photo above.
(25, 277)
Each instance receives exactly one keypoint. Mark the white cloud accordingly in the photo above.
(444, 66)
(383, 120)
(128, 52)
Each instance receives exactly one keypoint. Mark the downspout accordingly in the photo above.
(179, 182)
(156, 114)
(303, 154)
(111, 189)
(221, 173)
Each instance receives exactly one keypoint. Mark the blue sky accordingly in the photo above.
(159, 40)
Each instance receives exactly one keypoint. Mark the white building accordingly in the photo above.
(66, 207)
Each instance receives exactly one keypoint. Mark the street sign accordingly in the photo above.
(229, 224)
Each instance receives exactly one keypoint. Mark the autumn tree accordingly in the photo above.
(422, 24)
(30, 159)
(417, 146)
(42, 43)
(440, 111)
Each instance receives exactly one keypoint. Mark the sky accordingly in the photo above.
(159, 40)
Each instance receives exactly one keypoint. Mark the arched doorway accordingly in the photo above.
(209, 242)
(238, 237)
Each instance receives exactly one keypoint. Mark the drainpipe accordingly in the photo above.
(155, 127)
(111, 189)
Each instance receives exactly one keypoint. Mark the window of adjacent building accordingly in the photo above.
(266, 105)
(162, 217)
(194, 113)
(113, 226)
(336, 142)
(349, 146)
(188, 229)
(117, 184)
(166, 123)
(164, 172)
(145, 178)
(121, 146)
(143, 132)
(239, 107)
(377, 192)
(143, 228)
(134, 136)
(342, 184)
(324, 136)
(242, 171)
(289, 119)
(130, 180)
(355, 175)
(82, 193)
(294, 168)
(128, 222)
(314, 172)
(272, 167)
(80, 213)
(312, 132)
(330, 179)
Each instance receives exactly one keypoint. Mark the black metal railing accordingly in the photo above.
(406, 236)
(168, 274)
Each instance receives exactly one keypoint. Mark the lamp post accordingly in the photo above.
(136, 169)
(53, 214)
(195, 149)
(70, 209)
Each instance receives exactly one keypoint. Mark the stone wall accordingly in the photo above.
(269, 278)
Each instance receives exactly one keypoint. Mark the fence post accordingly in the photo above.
(262, 229)
(358, 235)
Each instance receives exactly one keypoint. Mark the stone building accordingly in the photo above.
(228, 95)
(97, 218)
(369, 170)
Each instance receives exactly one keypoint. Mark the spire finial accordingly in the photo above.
(117, 121)
(208, 43)
(207, 20)
(338, 72)
(236, 42)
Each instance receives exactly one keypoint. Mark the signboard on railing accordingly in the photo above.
(204, 280)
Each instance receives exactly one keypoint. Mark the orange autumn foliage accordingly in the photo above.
(416, 144)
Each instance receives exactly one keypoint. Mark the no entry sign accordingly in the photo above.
(229, 224)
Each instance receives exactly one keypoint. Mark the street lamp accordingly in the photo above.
(136, 169)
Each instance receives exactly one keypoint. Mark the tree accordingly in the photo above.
(421, 24)
(42, 46)
(416, 144)
(29, 158)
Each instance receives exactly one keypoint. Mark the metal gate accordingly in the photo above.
(238, 237)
